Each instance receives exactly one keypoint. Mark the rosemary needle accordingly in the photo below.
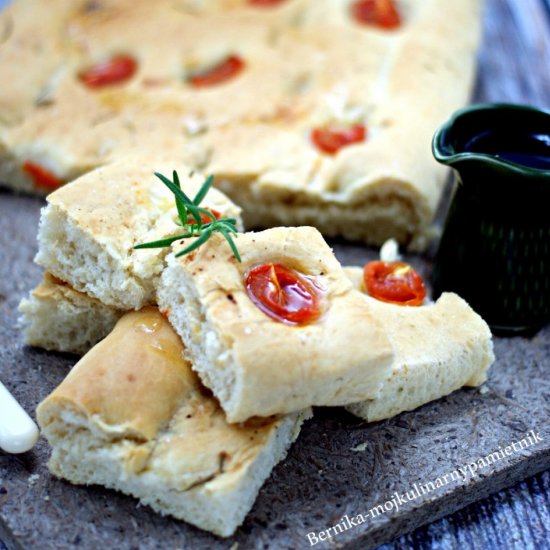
(189, 216)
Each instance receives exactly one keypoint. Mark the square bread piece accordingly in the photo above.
(57, 317)
(133, 416)
(438, 349)
(258, 366)
(89, 228)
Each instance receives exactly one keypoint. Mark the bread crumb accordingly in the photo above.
(33, 479)
(359, 448)
(483, 389)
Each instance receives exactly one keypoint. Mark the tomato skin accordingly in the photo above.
(284, 294)
(227, 69)
(264, 3)
(394, 282)
(381, 13)
(330, 139)
(41, 176)
(204, 217)
(116, 70)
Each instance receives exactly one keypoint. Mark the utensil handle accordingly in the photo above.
(18, 432)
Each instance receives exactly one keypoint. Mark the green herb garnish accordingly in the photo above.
(189, 214)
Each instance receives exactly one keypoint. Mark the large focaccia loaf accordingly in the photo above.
(438, 348)
(89, 228)
(132, 416)
(307, 64)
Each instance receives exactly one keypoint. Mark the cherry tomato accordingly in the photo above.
(381, 13)
(284, 294)
(41, 177)
(218, 74)
(116, 70)
(204, 217)
(265, 3)
(331, 139)
(394, 282)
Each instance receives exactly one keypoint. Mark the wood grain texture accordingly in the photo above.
(514, 62)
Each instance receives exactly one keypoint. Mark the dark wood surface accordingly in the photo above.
(515, 67)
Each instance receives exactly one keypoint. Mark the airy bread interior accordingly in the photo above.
(58, 318)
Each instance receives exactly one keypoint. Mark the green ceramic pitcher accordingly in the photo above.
(495, 247)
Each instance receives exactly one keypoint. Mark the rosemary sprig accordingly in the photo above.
(189, 216)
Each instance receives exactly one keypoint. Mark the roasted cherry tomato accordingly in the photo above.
(381, 13)
(331, 139)
(41, 177)
(284, 294)
(265, 3)
(204, 217)
(394, 282)
(227, 69)
(116, 70)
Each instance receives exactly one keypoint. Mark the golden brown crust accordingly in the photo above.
(136, 385)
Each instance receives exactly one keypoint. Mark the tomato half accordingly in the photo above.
(265, 3)
(284, 294)
(381, 13)
(227, 69)
(394, 282)
(116, 70)
(204, 217)
(41, 177)
(331, 139)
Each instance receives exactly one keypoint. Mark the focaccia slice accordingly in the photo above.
(57, 317)
(132, 416)
(254, 364)
(89, 228)
(438, 348)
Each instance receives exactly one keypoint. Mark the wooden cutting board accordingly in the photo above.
(340, 467)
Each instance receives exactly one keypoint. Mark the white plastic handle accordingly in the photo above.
(18, 432)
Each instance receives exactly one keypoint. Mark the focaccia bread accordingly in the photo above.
(438, 348)
(89, 228)
(58, 318)
(32, 54)
(132, 416)
(303, 66)
(254, 364)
